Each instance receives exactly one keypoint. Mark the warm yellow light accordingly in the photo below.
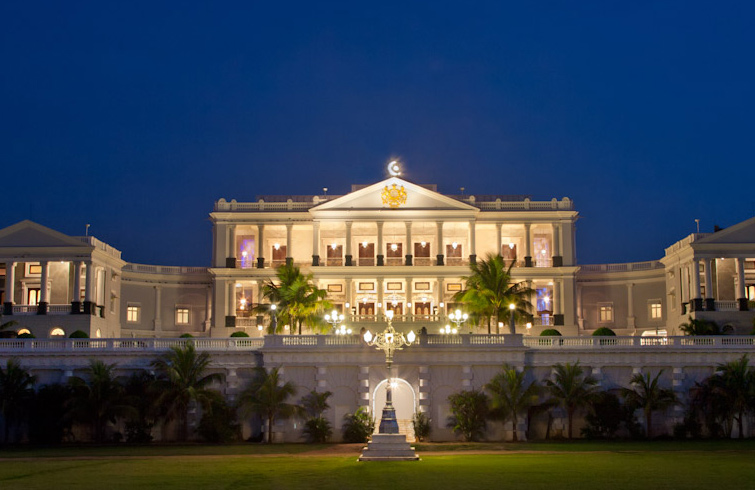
(259, 327)
(423, 243)
(347, 305)
(511, 246)
(529, 325)
(364, 244)
(454, 245)
(411, 336)
(394, 246)
(333, 245)
(368, 336)
(512, 307)
(277, 246)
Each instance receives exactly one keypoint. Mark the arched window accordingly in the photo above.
(23, 331)
(98, 334)
(57, 332)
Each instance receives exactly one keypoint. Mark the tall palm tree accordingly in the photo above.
(297, 299)
(266, 397)
(648, 395)
(489, 291)
(99, 398)
(735, 383)
(15, 391)
(571, 389)
(510, 395)
(183, 380)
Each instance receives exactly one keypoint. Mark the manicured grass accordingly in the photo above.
(720, 465)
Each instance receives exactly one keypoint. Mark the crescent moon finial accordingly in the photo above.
(393, 168)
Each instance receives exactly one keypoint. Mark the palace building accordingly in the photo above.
(393, 245)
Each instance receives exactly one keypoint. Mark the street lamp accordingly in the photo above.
(389, 341)
(335, 319)
(512, 322)
(273, 319)
(458, 318)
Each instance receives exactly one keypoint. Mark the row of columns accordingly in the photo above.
(380, 259)
(696, 300)
(44, 290)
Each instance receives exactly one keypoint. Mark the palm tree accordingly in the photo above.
(489, 291)
(735, 382)
(648, 395)
(469, 409)
(571, 389)
(510, 396)
(15, 391)
(701, 326)
(266, 397)
(183, 380)
(297, 299)
(99, 398)
(317, 428)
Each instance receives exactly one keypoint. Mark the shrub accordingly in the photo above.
(186, 336)
(550, 332)
(358, 426)
(318, 430)
(26, 336)
(469, 410)
(421, 425)
(239, 333)
(218, 423)
(607, 416)
(79, 334)
(604, 332)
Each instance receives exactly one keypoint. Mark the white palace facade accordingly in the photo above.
(394, 245)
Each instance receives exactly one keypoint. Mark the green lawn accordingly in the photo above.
(580, 466)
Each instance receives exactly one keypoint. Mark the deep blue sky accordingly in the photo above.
(136, 116)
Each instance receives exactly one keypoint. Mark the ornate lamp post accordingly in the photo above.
(389, 341)
(458, 318)
(335, 319)
(273, 319)
(512, 323)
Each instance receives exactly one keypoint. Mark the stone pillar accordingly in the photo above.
(315, 243)
(558, 259)
(409, 302)
(558, 300)
(580, 317)
(528, 245)
(157, 321)
(89, 289)
(741, 297)
(349, 298)
(409, 252)
(473, 243)
(498, 239)
(348, 259)
(289, 244)
(230, 260)
(630, 306)
(380, 254)
(10, 285)
(364, 388)
(710, 302)
(696, 301)
(208, 310)
(380, 290)
(441, 306)
(679, 388)
(260, 245)
(44, 295)
(439, 240)
(76, 295)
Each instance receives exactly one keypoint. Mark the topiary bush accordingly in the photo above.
(604, 332)
(79, 334)
(26, 336)
(550, 332)
(239, 334)
(186, 336)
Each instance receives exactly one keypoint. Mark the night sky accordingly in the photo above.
(136, 116)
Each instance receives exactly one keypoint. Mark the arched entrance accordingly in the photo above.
(404, 401)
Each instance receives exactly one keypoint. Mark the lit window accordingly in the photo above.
(182, 316)
(57, 332)
(605, 312)
(132, 314)
(656, 309)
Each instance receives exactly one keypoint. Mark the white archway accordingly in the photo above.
(404, 401)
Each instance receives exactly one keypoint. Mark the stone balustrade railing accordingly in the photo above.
(92, 346)
(163, 269)
(727, 305)
(627, 267)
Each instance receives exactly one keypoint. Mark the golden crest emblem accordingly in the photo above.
(394, 196)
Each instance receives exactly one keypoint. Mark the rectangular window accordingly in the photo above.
(366, 253)
(182, 316)
(453, 286)
(335, 254)
(132, 313)
(422, 286)
(245, 247)
(33, 269)
(279, 255)
(366, 286)
(393, 254)
(655, 309)
(395, 286)
(335, 288)
(605, 312)
(34, 296)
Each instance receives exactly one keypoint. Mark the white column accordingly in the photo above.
(349, 297)
(44, 295)
(232, 252)
(527, 240)
(695, 279)
(708, 278)
(208, 309)
(315, 242)
(347, 248)
(580, 318)
(472, 239)
(380, 253)
(76, 295)
(231, 306)
(409, 246)
(409, 303)
(557, 297)
(380, 287)
(439, 234)
(557, 239)
(259, 245)
(289, 240)
(740, 279)
(89, 282)
(630, 305)
(157, 321)
(10, 282)
(441, 285)
(499, 239)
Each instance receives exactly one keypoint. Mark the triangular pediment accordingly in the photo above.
(743, 232)
(373, 198)
(27, 234)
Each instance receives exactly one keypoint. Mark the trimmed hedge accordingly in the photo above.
(186, 336)
(239, 334)
(604, 332)
(550, 332)
(26, 336)
(79, 334)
